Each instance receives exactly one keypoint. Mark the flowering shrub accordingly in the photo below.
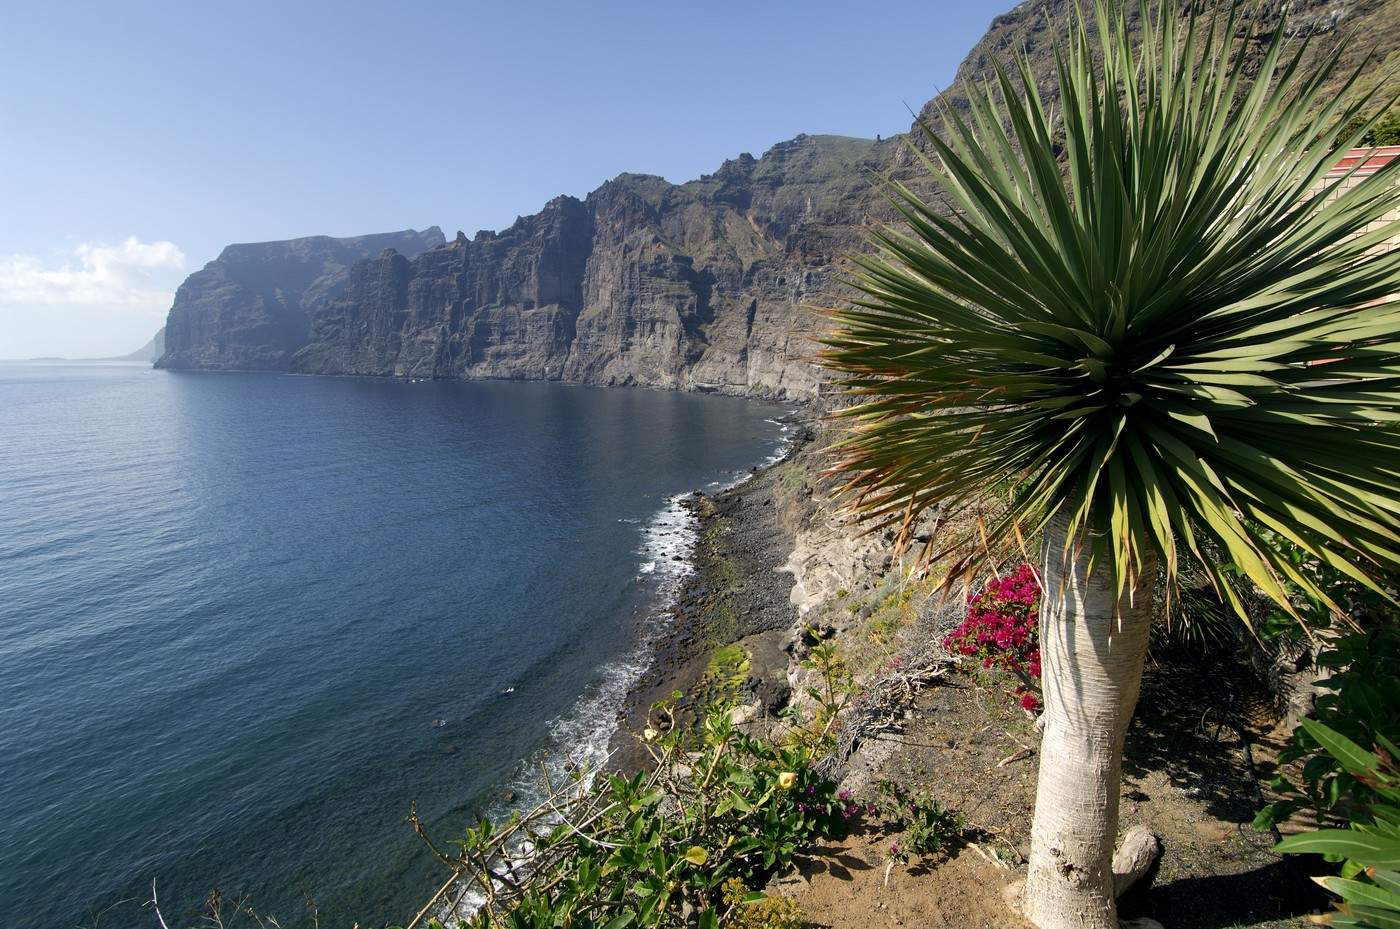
(664, 849)
(1002, 630)
(920, 826)
(819, 808)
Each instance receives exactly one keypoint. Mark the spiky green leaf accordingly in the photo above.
(1156, 306)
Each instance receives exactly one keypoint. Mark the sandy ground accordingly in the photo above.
(1185, 777)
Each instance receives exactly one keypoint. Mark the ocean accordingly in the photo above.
(247, 620)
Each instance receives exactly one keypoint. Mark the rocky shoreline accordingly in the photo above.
(739, 594)
(772, 557)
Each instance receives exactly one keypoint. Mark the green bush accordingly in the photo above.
(1362, 705)
(1369, 882)
(919, 825)
(746, 909)
(1352, 598)
(647, 850)
(1385, 131)
(1200, 616)
(718, 810)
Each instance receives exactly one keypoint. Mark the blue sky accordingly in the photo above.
(140, 138)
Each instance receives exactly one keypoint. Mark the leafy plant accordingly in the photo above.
(1199, 617)
(1356, 602)
(646, 849)
(919, 825)
(717, 811)
(813, 729)
(1362, 705)
(746, 909)
(1369, 882)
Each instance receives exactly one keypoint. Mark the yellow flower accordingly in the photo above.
(649, 734)
(786, 780)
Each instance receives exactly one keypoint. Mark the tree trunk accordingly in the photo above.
(1092, 649)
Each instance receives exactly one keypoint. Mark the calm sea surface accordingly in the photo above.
(245, 620)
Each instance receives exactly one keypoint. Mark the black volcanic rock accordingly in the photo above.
(250, 309)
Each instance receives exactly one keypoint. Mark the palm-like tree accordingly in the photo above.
(1156, 311)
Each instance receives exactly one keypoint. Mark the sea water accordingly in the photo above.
(247, 620)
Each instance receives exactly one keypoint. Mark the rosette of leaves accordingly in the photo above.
(1150, 306)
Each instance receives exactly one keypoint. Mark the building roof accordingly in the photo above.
(1370, 159)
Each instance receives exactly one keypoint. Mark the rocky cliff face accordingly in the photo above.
(694, 286)
(250, 309)
(704, 285)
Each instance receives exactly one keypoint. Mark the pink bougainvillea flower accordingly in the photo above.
(1002, 628)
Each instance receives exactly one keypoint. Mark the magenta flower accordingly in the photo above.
(1002, 628)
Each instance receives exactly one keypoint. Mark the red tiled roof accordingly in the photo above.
(1373, 159)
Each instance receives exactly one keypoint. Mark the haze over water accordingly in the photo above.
(246, 619)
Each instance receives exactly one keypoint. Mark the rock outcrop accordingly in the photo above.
(704, 285)
(250, 309)
(694, 286)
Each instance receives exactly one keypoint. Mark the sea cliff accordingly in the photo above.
(695, 286)
(251, 308)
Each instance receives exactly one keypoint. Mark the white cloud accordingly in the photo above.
(104, 275)
(98, 300)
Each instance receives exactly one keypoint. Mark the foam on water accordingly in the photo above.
(668, 542)
(582, 736)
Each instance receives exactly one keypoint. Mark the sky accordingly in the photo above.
(137, 139)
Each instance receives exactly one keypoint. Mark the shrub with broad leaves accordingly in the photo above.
(1369, 848)
(1361, 701)
(676, 846)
